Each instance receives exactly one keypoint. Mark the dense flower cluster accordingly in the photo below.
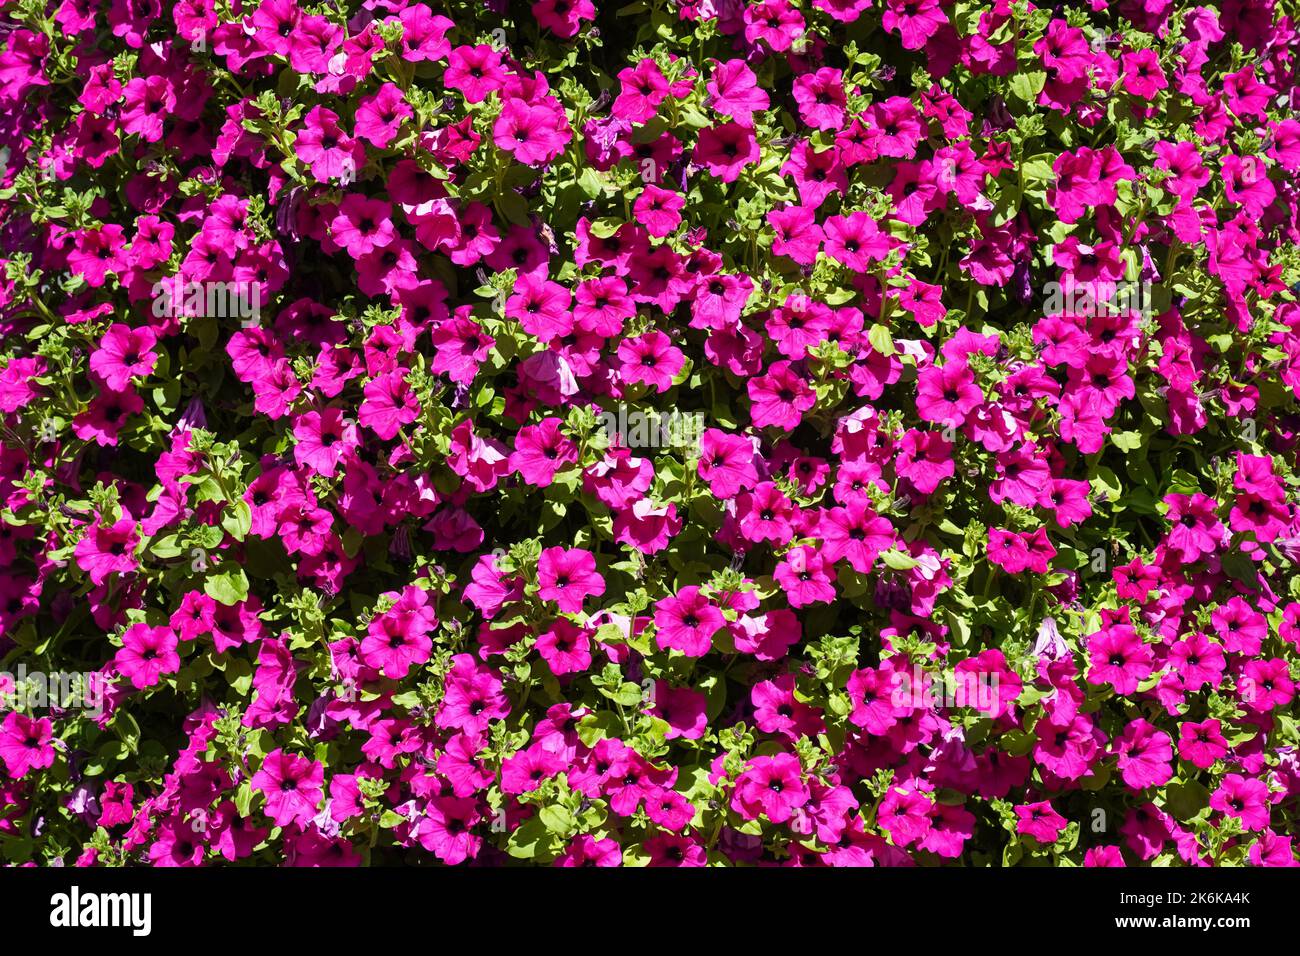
(314, 319)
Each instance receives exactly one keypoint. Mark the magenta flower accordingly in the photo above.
(124, 353)
(725, 150)
(398, 639)
(105, 551)
(322, 145)
(292, 786)
(684, 710)
(390, 403)
(540, 451)
(475, 71)
(1244, 798)
(542, 308)
(947, 394)
(362, 225)
(567, 576)
(447, 829)
(472, 697)
(734, 91)
(533, 135)
(687, 622)
(772, 786)
(1144, 753)
(1039, 821)
(726, 462)
(780, 397)
(324, 439)
(641, 89)
(1202, 743)
(379, 117)
(25, 744)
(1118, 657)
(565, 647)
(651, 359)
(820, 98)
(147, 655)
(586, 850)
(906, 815)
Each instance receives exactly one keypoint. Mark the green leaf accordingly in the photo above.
(238, 520)
(1127, 441)
(1028, 85)
(244, 798)
(881, 340)
(1038, 169)
(1107, 484)
(591, 183)
(604, 228)
(1185, 800)
(229, 586)
(898, 560)
(529, 840)
(557, 819)
(628, 694)
(513, 206)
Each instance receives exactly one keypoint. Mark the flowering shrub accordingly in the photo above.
(319, 549)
